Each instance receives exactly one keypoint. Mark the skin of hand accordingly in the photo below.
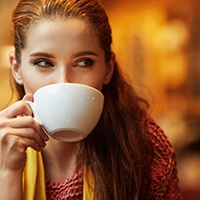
(18, 131)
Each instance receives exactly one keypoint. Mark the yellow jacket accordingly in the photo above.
(34, 179)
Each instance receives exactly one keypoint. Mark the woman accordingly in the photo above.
(126, 156)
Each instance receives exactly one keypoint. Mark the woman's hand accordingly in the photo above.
(18, 131)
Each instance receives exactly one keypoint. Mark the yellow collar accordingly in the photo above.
(34, 179)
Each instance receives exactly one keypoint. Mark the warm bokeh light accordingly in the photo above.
(157, 43)
(6, 94)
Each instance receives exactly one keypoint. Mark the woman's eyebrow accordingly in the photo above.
(85, 53)
(48, 55)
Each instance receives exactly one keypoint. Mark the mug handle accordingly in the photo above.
(32, 106)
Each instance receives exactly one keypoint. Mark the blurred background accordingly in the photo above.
(157, 43)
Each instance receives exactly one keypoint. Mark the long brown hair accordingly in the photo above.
(117, 151)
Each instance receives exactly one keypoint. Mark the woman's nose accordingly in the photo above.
(63, 79)
(63, 76)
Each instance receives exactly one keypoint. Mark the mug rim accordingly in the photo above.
(75, 84)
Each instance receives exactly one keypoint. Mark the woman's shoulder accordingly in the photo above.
(161, 143)
(164, 182)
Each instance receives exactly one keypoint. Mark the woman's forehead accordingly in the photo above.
(60, 36)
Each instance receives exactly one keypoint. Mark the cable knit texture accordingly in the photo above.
(164, 183)
(72, 188)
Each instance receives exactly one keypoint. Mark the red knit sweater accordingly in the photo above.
(164, 184)
(71, 189)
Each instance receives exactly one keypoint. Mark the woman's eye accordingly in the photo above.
(84, 63)
(43, 63)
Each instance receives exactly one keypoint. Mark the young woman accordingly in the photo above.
(127, 156)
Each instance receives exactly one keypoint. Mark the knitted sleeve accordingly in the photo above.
(164, 183)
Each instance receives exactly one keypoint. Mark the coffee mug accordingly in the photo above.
(67, 111)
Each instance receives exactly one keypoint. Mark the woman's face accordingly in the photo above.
(62, 51)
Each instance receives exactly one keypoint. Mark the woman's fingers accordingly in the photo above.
(28, 97)
(31, 128)
(20, 142)
(20, 115)
(28, 122)
(18, 131)
(19, 108)
(23, 134)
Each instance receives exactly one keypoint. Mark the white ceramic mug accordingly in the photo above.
(67, 111)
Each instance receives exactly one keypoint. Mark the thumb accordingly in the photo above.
(28, 97)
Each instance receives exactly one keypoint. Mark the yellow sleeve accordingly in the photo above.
(88, 185)
(34, 177)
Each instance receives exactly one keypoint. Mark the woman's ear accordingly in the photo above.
(15, 68)
(110, 69)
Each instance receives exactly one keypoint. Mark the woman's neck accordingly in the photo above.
(59, 160)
